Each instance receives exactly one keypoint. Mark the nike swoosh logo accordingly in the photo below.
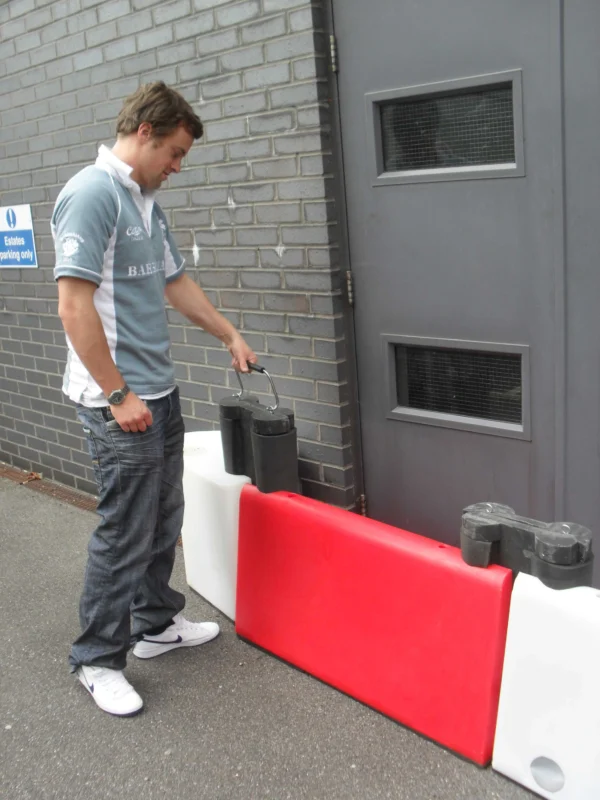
(178, 640)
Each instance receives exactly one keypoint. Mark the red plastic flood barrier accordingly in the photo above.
(394, 619)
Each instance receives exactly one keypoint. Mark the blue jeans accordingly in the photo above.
(131, 553)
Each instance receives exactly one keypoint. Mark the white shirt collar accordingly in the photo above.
(108, 161)
(106, 158)
(112, 164)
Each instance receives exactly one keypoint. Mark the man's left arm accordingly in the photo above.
(189, 299)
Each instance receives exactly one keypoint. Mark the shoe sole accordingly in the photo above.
(155, 649)
(99, 704)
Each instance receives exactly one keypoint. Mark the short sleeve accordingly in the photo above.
(174, 261)
(83, 222)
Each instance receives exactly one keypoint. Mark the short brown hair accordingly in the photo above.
(163, 107)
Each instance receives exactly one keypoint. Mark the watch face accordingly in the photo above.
(116, 398)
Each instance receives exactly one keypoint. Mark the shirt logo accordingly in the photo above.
(69, 247)
(135, 233)
(145, 269)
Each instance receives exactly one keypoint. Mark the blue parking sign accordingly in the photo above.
(17, 244)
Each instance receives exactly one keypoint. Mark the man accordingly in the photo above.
(115, 262)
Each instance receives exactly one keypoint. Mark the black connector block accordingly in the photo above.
(558, 553)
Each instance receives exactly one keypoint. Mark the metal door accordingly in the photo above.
(451, 135)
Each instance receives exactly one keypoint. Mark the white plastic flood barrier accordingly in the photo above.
(548, 731)
(210, 523)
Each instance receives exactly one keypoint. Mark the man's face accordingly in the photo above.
(158, 158)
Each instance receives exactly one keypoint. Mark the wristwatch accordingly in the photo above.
(116, 398)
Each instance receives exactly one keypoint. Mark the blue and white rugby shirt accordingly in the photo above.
(107, 231)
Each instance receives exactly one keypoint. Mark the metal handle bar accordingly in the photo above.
(258, 368)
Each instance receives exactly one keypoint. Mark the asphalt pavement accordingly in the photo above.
(224, 721)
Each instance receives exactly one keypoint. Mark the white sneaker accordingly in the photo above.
(111, 690)
(180, 634)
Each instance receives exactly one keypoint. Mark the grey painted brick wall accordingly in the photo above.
(251, 210)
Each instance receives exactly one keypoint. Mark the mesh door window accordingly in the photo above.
(467, 383)
(455, 129)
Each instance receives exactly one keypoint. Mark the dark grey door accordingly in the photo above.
(451, 136)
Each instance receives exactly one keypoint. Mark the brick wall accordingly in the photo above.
(251, 211)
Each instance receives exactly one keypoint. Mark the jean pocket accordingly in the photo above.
(112, 425)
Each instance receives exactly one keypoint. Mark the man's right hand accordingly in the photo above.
(133, 415)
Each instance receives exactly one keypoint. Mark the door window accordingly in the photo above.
(456, 129)
(453, 130)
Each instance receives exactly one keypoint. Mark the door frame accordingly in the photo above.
(339, 196)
